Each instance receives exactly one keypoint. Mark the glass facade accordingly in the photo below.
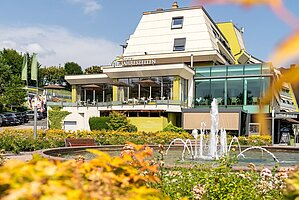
(103, 93)
(150, 89)
(233, 85)
(203, 92)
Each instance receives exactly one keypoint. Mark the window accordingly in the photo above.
(177, 23)
(203, 92)
(179, 44)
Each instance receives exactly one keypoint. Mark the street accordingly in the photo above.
(41, 124)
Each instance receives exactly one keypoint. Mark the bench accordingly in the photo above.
(180, 143)
(79, 142)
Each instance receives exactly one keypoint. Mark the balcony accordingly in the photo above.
(286, 106)
(131, 104)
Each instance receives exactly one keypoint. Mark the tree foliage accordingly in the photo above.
(13, 59)
(72, 68)
(52, 75)
(12, 92)
(93, 70)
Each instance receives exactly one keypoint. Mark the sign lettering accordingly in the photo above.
(125, 63)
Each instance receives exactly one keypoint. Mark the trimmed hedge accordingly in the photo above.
(98, 123)
(115, 122)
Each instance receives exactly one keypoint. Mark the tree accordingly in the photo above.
(52, 75)
(93, 70)
(72, 68)
(13, 59)
(12, 91)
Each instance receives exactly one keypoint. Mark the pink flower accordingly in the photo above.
(198, 191)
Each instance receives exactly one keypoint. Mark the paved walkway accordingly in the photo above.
(22, 156)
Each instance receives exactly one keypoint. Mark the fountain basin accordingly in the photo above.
(288, 156)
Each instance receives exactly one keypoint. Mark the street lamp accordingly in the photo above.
(272, 128)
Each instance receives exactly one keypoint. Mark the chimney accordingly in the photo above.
(175, 5)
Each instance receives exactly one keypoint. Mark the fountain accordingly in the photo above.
(213, 151)
(216, 147)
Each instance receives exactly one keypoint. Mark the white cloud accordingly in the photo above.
(56, 45)
(89, 6)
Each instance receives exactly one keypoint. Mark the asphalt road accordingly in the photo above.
(41, 124)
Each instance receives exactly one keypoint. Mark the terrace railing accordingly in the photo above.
(119, 103)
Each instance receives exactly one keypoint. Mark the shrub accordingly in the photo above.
(172, 128)
(55, 118)
(119, 122)
(292, 190)
(98, 123)
(255, 140)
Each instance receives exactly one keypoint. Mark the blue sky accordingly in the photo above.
(89, 32)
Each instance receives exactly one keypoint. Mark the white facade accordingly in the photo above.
(154, 36)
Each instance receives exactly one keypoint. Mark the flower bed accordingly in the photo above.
(134, 175)
(22, 140)
(220, 181)
(14, 140)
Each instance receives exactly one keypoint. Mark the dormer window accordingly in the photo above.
(179, 44)
(177, 22)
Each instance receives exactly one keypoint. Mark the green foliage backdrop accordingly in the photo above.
(55, 118)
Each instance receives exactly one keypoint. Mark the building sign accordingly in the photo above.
(284, 115)
(126, 63)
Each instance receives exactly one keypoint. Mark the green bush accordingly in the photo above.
(292, 189)
(119, 122)
(55, 117)
(172, 128)
(98, 123)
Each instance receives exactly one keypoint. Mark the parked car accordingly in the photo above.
(25, 116)
(10, 119)
(20, 117)
(30, 115)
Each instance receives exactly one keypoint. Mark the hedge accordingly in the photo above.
(98, 123)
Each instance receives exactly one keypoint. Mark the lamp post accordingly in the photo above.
(272, 128)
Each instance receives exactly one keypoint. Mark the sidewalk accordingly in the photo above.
(24, 156)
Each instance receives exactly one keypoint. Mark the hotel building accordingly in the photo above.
(173, 65)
